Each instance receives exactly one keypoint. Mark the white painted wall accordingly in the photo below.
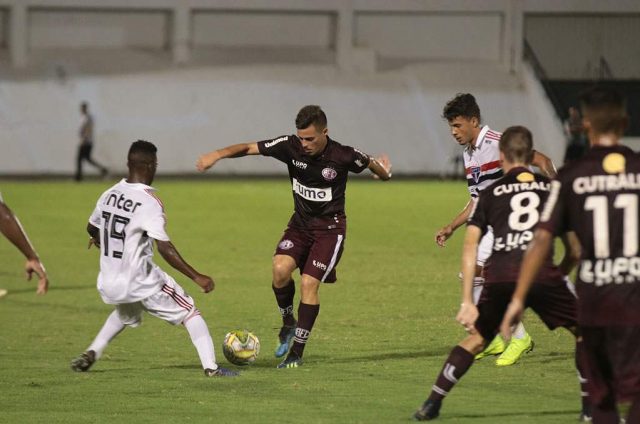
(570, 46)
(188, 112)
(431, 36)
(103, 28)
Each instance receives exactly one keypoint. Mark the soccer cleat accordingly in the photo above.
(291, 361)
(83, 362)
(284, 337)
(429, 410)
(496, 347)
(516, 348)
(220, 372)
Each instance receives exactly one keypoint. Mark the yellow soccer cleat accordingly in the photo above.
(513, 352)
(496, 347)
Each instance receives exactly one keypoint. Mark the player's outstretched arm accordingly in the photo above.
(545, 164)
(173, 258)
(381, 167)
(447, 231)
(532, 262)
(207, 160)
(11, 228)
(468, 313)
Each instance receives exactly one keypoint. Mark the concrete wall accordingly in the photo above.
(570, 46)
(431, 36)
(104, 28)
(225, 28)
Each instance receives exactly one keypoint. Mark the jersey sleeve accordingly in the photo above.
(553, 217)
(155, 221)
(278, 148)
(96, 216)
(358, 161)
(478, 216)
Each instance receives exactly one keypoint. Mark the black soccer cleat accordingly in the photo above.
(429, 410)
(83, 362)
(291, 361)
(220, 372)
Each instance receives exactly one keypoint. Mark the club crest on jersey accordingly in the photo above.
(285, 244)
(329, 173)
(475, 173)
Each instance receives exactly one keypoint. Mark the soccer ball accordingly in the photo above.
(241, 347)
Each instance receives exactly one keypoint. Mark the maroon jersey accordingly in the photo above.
(512, 207)
(597, 198)
(318, 182)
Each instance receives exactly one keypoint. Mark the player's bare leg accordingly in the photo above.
(460, 359)
(284, 290)
(307, 313)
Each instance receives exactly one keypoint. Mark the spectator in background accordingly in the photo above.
(86, 144)
(576, 141)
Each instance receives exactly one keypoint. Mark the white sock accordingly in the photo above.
(518, 331)
(478, 284)
(111, 328)
(201, 339)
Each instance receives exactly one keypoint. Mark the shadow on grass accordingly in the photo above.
(383, 356)
(516, 414)
(32, 288)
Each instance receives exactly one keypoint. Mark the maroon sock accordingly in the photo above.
(456, 365)
(307, 315)
(284, 297)
(582, 378)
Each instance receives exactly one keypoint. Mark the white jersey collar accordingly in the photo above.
(138, 186)
(481, 135)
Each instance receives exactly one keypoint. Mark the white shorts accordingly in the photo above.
(171, 304)
(485, 247)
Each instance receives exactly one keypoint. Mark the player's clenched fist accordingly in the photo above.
(205, 282)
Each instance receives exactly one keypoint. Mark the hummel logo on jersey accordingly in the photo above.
(299, 164)
(121, 202)
(309, 193)
(276, 141)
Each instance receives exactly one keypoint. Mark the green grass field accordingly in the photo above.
(382, 335)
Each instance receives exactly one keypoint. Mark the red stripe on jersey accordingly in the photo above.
(152, 194)
(486, 167)
(493, 135)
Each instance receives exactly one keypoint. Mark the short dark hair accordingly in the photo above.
(516, 143)
(605, 108)
(311, 115)
(464, 104)
(142, 151)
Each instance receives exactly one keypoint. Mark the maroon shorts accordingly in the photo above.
(553, 301)
(612, 363)
(316, 252)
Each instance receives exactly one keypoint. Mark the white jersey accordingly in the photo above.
(482, 161)
(129, 217)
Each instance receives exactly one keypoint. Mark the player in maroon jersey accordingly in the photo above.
(597, 198)
(511, 206)
(314, 239)
(481, 157)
